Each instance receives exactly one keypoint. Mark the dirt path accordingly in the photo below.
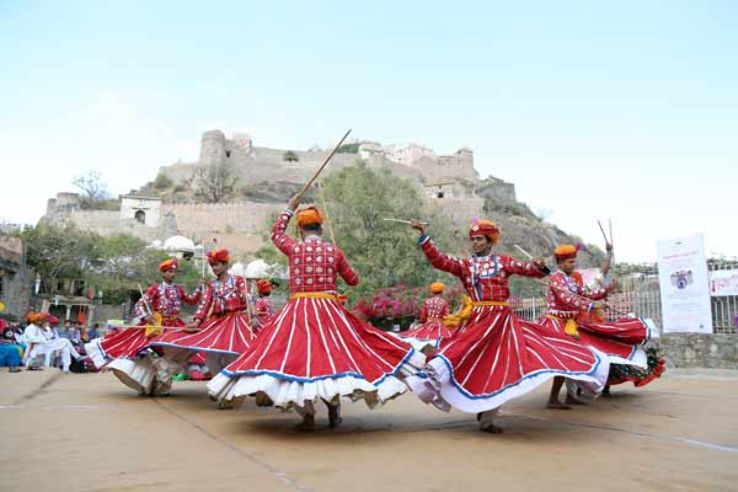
(88, 432)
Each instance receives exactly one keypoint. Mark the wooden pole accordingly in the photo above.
(321, 196)
(320, 169)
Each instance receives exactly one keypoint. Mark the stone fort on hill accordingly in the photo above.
(450, 181)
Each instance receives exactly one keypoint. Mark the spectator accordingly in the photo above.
(10, 351)
(93, 332)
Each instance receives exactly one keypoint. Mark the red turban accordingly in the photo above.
(264, 286)
(168, 264)
(219, 256)
(53, 319)
(309, 216)
(565, 252)
(486, 228)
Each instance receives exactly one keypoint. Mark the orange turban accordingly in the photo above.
(484, 227)
(437, 287)
(565, 252)
(264, 286)
(219, 256)
(308, 216)
(34, 318)
(168, 264)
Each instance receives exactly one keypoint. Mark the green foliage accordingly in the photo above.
(384, 253)
(113, 265)
(163, 182)
(57, 252)
(352, 148)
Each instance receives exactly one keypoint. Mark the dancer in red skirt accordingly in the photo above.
(496, 356)
(621, 341)
(223, 324)
(315, 348)
(427, 336)
(264, 310)
(125, 352)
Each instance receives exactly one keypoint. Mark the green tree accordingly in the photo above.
(384, 253)
(57, 252)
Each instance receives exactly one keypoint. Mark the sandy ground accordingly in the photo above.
(89, 432)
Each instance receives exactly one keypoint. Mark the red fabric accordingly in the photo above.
(567, 298)
(314, 263)
(166, 299)
(431, 315)
(565, 293)
(484, 278)
(264, 286)
(434, 307)
(229, 333)
(222, 297)
(604, 342)
(127, 343)
(313, 338)
(496, 350)
(264, 310)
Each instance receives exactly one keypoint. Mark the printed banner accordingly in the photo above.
(685, 290)
(724, 283)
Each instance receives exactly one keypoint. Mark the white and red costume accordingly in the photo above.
(125, 352)
(225, 329)
(622, 340)
(432, 329)
(263, 306)
(315, 348)
(495, 356)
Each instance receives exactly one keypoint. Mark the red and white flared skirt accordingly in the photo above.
(620, 340)
(498, 357)
(228, 334)
(127, 343)
(429, 333)
(315, 348)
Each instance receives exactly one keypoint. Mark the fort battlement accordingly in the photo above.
(449, 182)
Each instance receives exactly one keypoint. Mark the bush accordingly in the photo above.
(162, 182)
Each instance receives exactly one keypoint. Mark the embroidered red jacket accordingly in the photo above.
(222, 297)
(566, 296)
(166, 299)
(435, 307)
(314, 263)
(485, 278)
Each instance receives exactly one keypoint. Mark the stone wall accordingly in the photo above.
(700, 350)
(17, 289)
(241, 217)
